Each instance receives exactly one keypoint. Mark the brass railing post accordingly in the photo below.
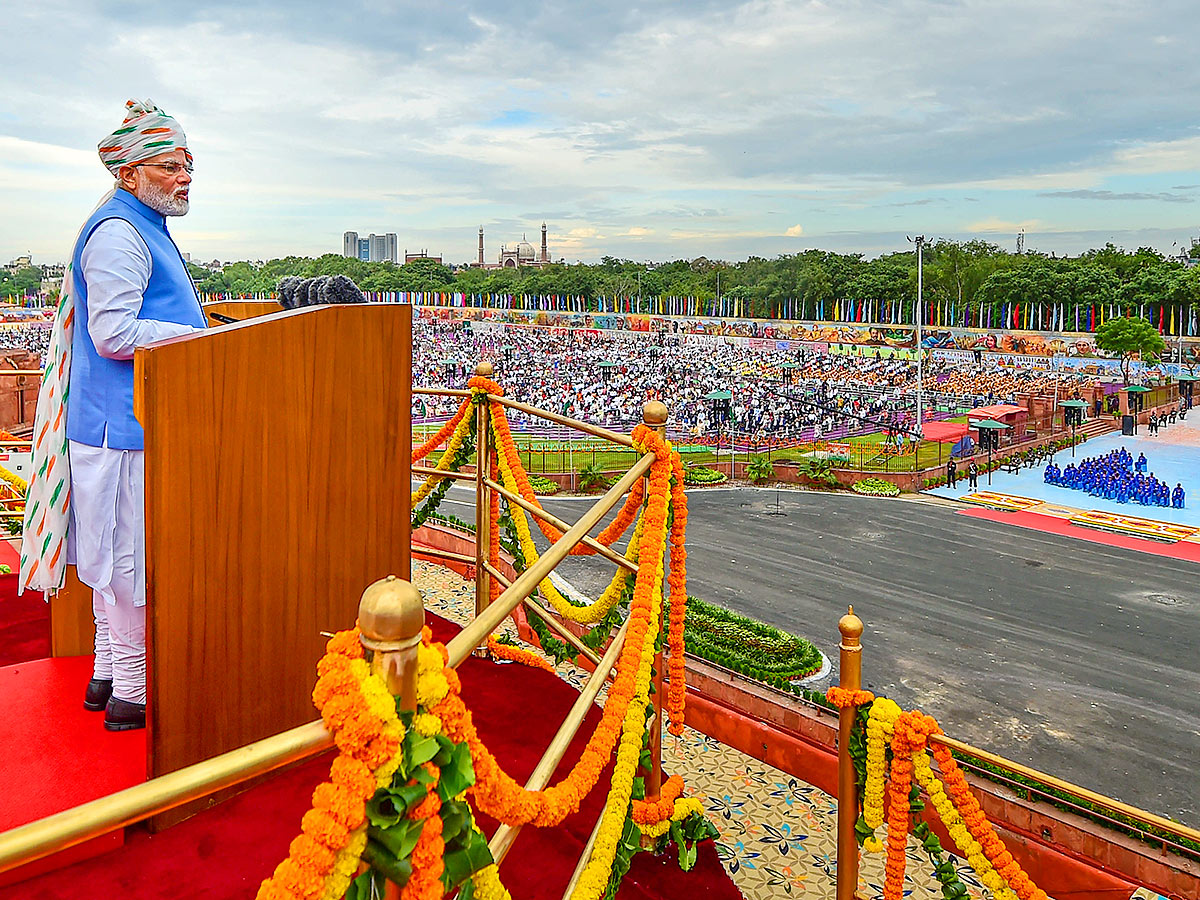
(483, 516)
(654, 415)
(391, 615)
(850, 679)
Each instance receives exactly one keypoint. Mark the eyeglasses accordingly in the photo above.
(171, 168)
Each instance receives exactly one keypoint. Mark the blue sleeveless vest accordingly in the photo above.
(101, 392)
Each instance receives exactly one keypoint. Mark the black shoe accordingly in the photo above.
(98, 692)
(121, 715)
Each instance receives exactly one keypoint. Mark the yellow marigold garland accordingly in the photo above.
(487, 885)
(958, 830)
(596, 873)
(907, 734)
(884, 713)
(19, 484)
(585, 615)
(457, 439)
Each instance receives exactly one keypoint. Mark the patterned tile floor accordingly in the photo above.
(777, 834)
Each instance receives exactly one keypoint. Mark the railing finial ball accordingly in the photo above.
(391, 609)
(850, 625)
(655, 412)
(485, 369)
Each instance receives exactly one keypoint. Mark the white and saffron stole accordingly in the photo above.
(47, 504)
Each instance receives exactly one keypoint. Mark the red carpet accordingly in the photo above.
(226, 851)
(56, 753)
(24, 619)
(1189, 550)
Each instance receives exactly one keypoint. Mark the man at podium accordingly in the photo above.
(131, 288)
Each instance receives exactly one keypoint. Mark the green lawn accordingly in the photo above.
(588, 451)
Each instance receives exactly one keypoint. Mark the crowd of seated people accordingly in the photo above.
(1116, 476)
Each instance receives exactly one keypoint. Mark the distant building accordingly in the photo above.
(420, 254)
(21, 262)
(372, 248)
(514, 256)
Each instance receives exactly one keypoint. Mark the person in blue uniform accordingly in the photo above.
(1177, 496)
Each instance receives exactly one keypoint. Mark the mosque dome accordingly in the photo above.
(525, 251)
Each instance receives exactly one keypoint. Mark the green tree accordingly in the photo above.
(16, 285)
(1130, 338)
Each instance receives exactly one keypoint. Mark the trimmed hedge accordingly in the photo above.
(543, 486)
(696, 475)
(747, 646)
(875, 487)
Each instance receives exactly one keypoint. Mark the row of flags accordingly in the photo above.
(1174, 319)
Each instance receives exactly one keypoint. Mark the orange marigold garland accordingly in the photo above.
(493, 537)
(442, 434)
(505, 444)
(951, 798)
(517, 654)
(677, 579)
(651, 812)
(843, 698)
(499, 795)
(360, 715)
(981, 829)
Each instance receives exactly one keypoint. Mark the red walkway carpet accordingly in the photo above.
(24, 621)
(226, 851)
(56, 753)
(1188, 550)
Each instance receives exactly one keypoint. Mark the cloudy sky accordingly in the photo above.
(653, 130)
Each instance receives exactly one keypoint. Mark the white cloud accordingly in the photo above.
(310, 119)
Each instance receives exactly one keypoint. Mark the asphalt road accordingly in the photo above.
(1075, 658)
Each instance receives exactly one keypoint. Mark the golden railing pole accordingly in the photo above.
(391, 615)
(654, 415)
(850, 679)
(483, 515)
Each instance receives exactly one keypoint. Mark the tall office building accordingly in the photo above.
(372, 248)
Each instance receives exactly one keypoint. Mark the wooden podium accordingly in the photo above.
(277, 489)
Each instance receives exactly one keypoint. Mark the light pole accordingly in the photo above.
(919, 242)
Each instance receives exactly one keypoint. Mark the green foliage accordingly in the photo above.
(591, 478)
(699, 475)
(744, 645)
(974, 274)
(760, 470)
(16, 285)
(1129, 338)
(391, 835)
(543, 486)
(818, 470)
(875, 487)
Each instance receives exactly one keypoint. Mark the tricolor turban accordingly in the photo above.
(146, 132)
